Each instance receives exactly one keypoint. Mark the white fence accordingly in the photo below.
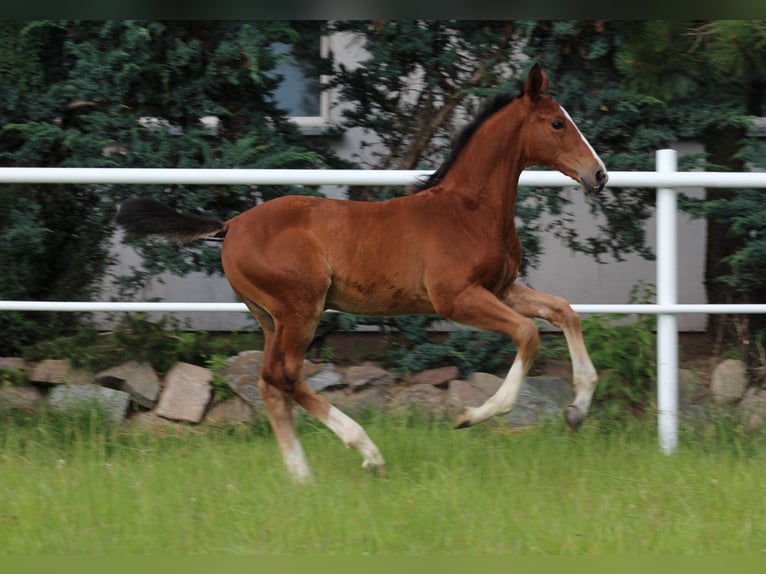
(665, 179)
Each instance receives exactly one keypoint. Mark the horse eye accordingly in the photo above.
(557, 124)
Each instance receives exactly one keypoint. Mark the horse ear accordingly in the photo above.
(537, 83)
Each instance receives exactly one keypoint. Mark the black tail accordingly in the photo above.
(144, 216)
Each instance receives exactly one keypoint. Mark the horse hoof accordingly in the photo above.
(573, 417)
(378, 470)
(462, 421)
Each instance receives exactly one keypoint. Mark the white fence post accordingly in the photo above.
(667, 294)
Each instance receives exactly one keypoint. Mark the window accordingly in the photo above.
(300, 92)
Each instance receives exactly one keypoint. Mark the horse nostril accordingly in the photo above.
(601, 178)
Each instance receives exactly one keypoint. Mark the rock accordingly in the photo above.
(367, 374)
(728, 382)
(328, 378)
(419, 398)
(186, 394)
(540, 399)
(113, 402)
(59, 372)
(462, 394)
(436, 377)
(241, 374)
(149, 421)
(233, 410)
(689, 387)
(135, 378)
(752, 409)
(374, 398)
(485, 382)
(310, 369)
(21, 398)
(14, 363)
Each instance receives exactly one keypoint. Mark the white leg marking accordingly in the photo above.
(296, 463)
(584, 375)
(503, 399)
(353, 436)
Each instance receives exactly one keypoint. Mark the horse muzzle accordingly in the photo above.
(595, 182)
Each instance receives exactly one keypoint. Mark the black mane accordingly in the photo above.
(489, 107)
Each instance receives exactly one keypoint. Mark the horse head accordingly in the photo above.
(553, 139)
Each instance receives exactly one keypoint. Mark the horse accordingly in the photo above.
(450, 249)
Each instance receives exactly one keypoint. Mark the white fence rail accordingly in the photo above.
(665, 179)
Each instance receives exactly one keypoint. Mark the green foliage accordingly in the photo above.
(415, 76)
(413, 347)
(221, 389)
(12, 376)
(160, 343)
(625, 355)
(130, 94)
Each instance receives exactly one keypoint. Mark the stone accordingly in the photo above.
(149, 421)
(540, 399)
(310, 369)
(462, 394)
(328, 378)
(486, 382)
(233, 410)
(371, 399)
(752, 409)
(14, 363)
(367, 374)
(135, 378)
(728, 382)
(186, 394)
(689, 387)
(419, 398)
(241, 374)
(114, 403)
(436, 377)
(59, 372)
(20, 398)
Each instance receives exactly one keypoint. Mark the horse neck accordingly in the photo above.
(486, 173)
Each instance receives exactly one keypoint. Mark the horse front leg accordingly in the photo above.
(477, 307)
(560, 314)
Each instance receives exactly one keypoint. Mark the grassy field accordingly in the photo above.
(74, 487)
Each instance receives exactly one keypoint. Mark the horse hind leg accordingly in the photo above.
(279, 407)
(559, 313)
(283, 370)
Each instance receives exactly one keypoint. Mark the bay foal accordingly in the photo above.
(450, 249)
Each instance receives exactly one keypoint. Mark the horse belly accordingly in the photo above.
(382, 297)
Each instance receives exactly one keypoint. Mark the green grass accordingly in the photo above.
(75, 487)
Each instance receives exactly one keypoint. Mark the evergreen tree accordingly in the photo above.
(129, 94)
(720, 67)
